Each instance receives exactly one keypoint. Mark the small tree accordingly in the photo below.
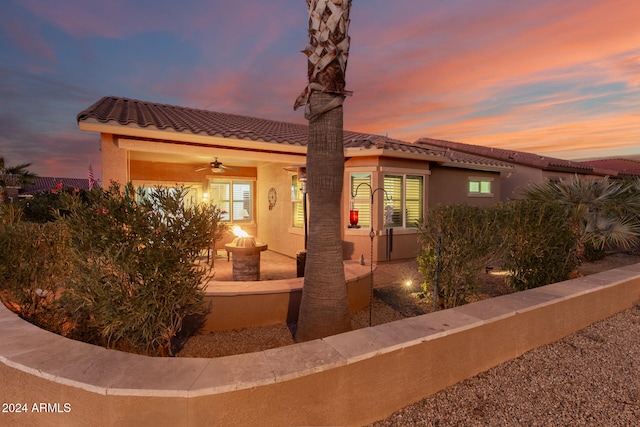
(136, 277)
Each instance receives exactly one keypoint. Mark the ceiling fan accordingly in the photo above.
(216, 167)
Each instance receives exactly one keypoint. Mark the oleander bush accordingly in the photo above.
(117, 267)
(34, 267)
(43, 206)
(135, 277)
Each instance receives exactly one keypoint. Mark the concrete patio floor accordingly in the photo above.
(275, 266)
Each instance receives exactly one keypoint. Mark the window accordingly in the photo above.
(297, 202)
(361, 197)
(407, 196)
(233, 198)
(480, 187)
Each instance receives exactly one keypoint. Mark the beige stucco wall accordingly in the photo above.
(275, 225)
(237, 305)
(451, 185)
(402, 243)
(115, 162)
(349, 379)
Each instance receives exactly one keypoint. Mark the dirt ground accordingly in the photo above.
(391, 302)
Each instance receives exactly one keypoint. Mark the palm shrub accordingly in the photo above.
(34, 267)
(457, 243)
(135, 272)
(604, 212)
(540, 243)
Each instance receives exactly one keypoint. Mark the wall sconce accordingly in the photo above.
(205, 197)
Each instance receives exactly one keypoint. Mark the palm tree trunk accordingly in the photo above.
(324, 309)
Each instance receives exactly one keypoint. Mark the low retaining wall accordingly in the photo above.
(236, 305)
(347, 379)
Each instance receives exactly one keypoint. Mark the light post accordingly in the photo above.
(372, 234)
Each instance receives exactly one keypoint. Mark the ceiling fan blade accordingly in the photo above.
(229, 168)
(202, 168)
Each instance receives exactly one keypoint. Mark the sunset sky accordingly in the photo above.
(553, 77)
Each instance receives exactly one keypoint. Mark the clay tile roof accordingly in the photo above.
(627, 167)
(376, 142)
(126, 112)
(518, 157)
(462, 159)
(47, 183)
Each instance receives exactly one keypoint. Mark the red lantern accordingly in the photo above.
(353, 218)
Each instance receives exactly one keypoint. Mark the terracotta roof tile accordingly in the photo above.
(466, 159)
(518, 157)
(627, 167)
(47, 183)
(128, 112)
(125, 112)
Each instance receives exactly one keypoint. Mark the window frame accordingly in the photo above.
(232, 181)
(362, 199)
(480, 181)
(297, 203)
(403, 203)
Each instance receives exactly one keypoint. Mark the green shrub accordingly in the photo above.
(604, 211)
(540, 243)
(135, 275)
(42, 206)
(457, 242)
(34, 266)
(534, 242)
(10, 213)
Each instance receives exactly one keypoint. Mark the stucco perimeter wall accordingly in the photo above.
(348, 379)
(236, 305)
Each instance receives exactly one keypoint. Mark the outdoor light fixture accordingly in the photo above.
(372, 234)
(353, 216)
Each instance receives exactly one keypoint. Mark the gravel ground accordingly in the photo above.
(590, 378)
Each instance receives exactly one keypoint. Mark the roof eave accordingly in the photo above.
(134, 131)
(478, 166)
(385, 152)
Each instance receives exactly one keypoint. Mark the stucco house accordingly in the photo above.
(254, 170)
(529, 168)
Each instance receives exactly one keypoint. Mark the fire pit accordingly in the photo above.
(245, 252)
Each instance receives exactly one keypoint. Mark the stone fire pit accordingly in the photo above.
(245, 253)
